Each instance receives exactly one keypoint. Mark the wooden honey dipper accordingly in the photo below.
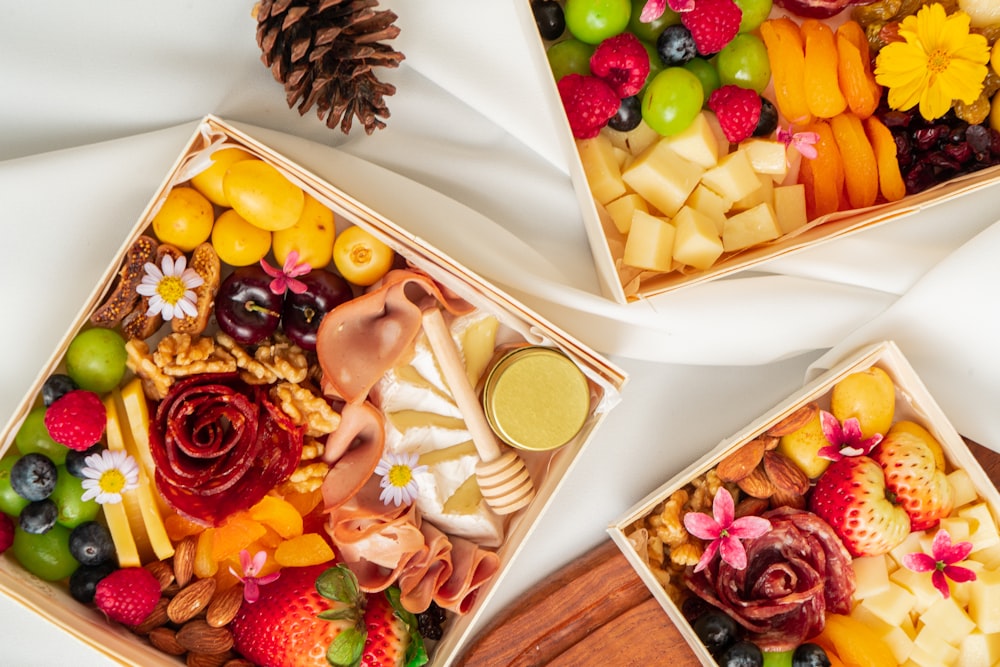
(502, 476)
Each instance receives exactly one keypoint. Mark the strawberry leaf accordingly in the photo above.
(346, 648)
(416, 652)
(339, 584)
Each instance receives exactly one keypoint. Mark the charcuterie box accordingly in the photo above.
(435, 372)
(618, 171)
(826, 552)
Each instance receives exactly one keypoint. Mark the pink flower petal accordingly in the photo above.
(652, 10)
(943, 550)
(707, 557)
(831, 427)
(919, 562)
(296, 286)
(251, 592)
(959, 574)
(246, 563)
(749, 527)
(941, 583)
(680, 6)
(259, 559)
(272, 271)
(851, 430)
(702, 526)
(733, 552)
(830, 452)
(724, 508)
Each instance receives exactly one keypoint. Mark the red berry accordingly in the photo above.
(77, 419)
(738, 111)
(127, 595)
(6, 532)
(589, 102)
(621, 62)
(713, 24)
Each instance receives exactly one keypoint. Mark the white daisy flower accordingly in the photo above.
(107, 475)
(399, 484)
(170, 289)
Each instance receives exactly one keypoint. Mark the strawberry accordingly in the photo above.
(127, 595)
(317, 617)
(851, 496)
(911, 473)
(76, 419)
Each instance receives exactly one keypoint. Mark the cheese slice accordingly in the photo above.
(404, 420)
(124, 518)
(477, 339)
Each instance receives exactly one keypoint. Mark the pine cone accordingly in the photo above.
(323, 52)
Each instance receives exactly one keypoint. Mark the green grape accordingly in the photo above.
(46, 556)
(570, 56)
(67, 495)
(34, 437)
(672, 100)
(11, 501)
(648, 32)
(593, 21)
(754, 13)
(778, 659)
(96, 359)
(743, 62)
(706, 73)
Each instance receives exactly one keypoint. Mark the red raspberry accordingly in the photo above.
(77, 419)
(738, 111)
(713, 24)
(622, 62)
(589, 102)
(6, 532)
(127, 595)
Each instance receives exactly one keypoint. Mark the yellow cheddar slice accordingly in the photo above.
(137, 415)
(120, 522)
(404, 420)
(453, 453)
(478, 342)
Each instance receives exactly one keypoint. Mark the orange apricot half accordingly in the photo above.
(786, 55)
(861, 169)
(823, 94)
(822, 176)
(890, 179)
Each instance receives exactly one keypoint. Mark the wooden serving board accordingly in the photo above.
(596, 611)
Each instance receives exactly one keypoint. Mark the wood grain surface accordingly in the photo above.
(595, 612)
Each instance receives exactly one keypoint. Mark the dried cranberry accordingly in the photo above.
(960, 152)
(893, 119)
(978, 138)
(942, 161)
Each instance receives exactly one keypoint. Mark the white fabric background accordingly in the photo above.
(97, 98)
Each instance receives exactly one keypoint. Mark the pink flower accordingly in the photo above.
(941, 562)
(845, 439)
(724, 531)
(285, 277)
(804, 142)
(653, 9)
(251, 582)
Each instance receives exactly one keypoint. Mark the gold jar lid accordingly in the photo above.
(536, 398)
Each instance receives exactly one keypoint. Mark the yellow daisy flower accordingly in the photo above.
(938, 62)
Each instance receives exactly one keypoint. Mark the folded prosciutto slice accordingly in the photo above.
(219, 445)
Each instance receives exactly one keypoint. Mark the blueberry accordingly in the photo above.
(56, 386)
(549, 18)
(742, 654)
(83, 582)
(91, 544)
(716, 631)
(628, 116)
(33, 476)
(38, 516)
(810, 655)
(76, 460)
(768, 122)
(675, 45)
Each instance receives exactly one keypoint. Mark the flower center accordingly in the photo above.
(938, 61)
(400, 475)
(171, 289)
(112, 481)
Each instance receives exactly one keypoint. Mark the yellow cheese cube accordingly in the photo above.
(650, 243)
(989, 557)
(894, 636)
(696, 242)
(984, 601)
(711, 204)
(979, 649)
(908, 545)
(733, 178)
(750, 227)
(762, 195)
(930, 649)
(601, 168)
(871, 575)
(621, 210)
(663, 178)
(767, 157)
(635, 140)
(790, 207)
(891, 605)
(962, 490)
(917, 583)
(984, 528)
(696, 143)
(948, 620)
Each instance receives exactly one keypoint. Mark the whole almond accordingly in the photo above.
(200, 637)
(194, 659)
(794, 421)
(165, 639)
(238, 662)
(224, 606)
(785, 474)
(757, 484)
(782, 498)
(184, 560)
(738, 465)
(163, 572)
(156, 618)
(191, 600)
(752, 507)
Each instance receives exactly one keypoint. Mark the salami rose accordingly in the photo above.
(795, 573)
(219, 445)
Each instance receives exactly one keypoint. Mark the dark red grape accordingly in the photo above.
(302, 313)
(246, 308)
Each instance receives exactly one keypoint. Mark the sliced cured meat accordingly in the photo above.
(219, 445)
(353, 451)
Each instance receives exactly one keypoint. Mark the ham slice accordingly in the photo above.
(354, 450)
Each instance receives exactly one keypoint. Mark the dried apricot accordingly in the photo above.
(178, 527)
(856, 643)
(890, 179)
(854, 70)
(823, 94)
(304, 550)
(823, 176)
(786, 54)
(856, 150)
(204, 564)
(279, 514)
(237, 533)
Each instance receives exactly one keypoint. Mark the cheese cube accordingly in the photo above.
(635, 140)
(871, 575)
(963, 591)
(989, 557)
(621, 210)
(601, 168)
(979, 649)
(962, 490)
(697, 241)
(919, 585)
(908, 545)
(762, 195)
(948, 620)
(750, 227)
(650, 243)
(711, 204)
(790, 207)
(697, 143)
(930, 650)
(984, 528)
(894, 636)
(958, 529)
(891, 605)
(733, 178)
(767, 157)
(662, 177)
(984, 601)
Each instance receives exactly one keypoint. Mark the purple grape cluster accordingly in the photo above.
(931, 152)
